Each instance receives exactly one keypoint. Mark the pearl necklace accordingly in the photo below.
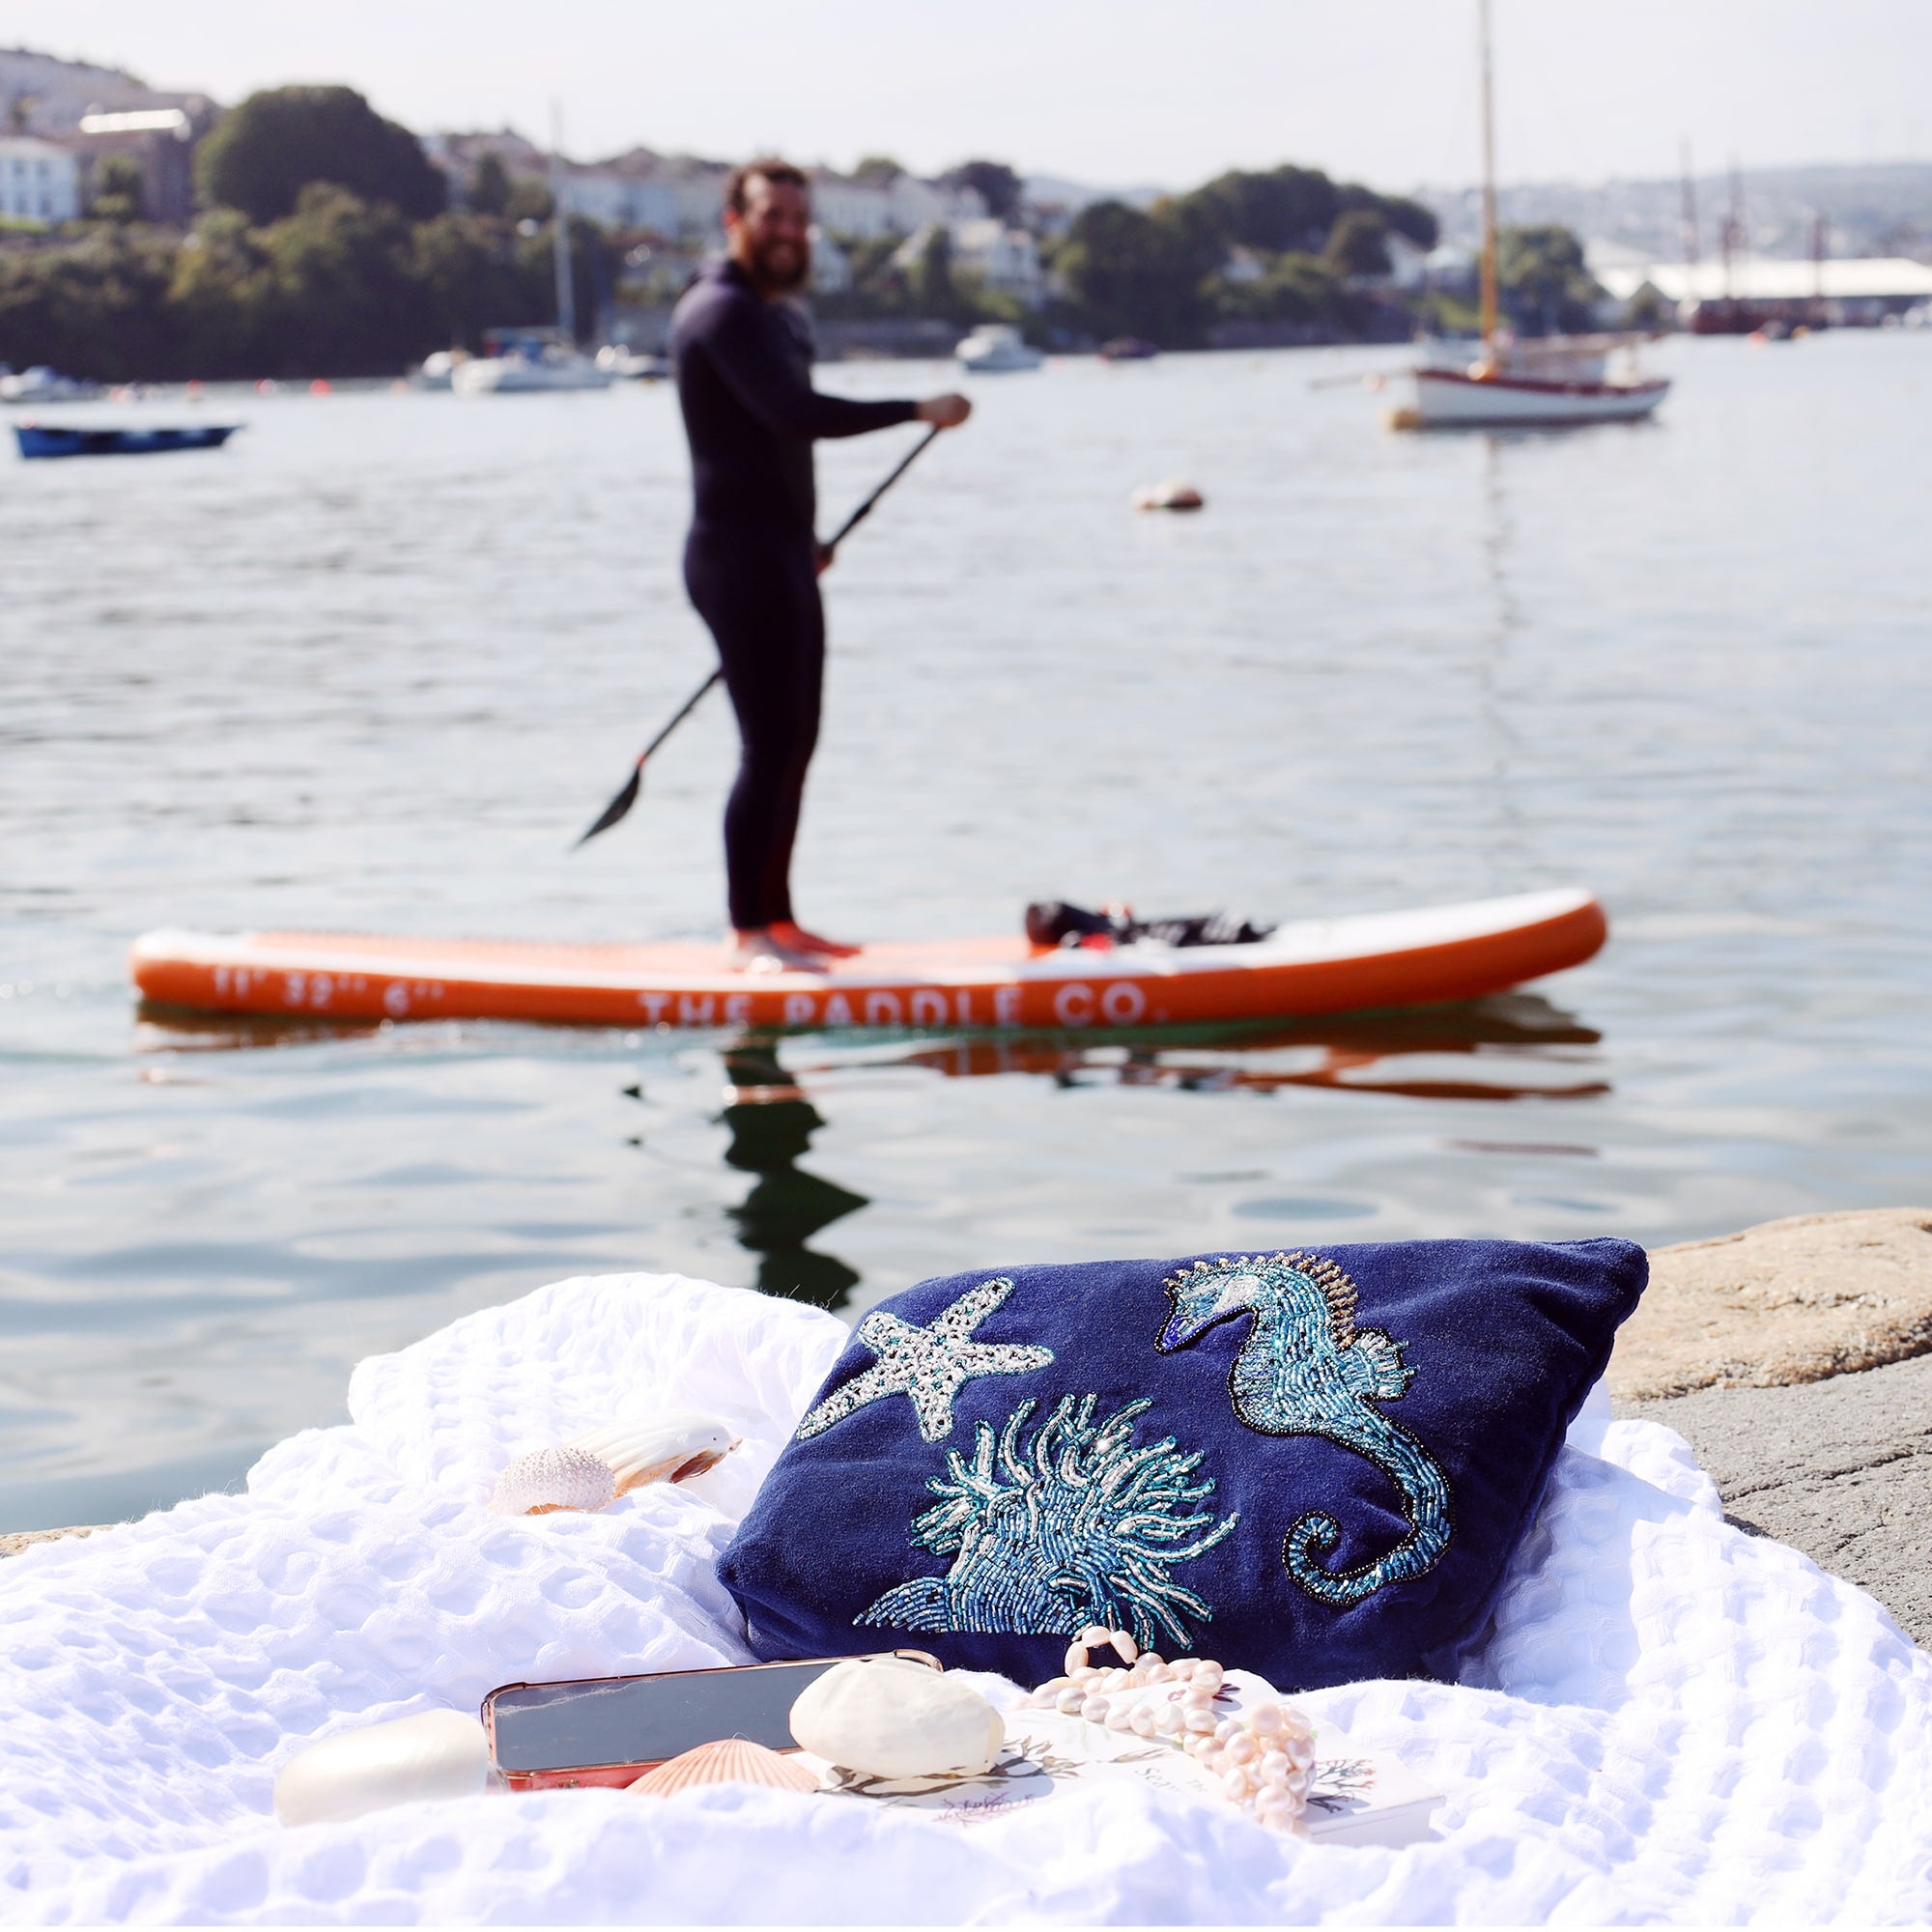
(1263, 1757)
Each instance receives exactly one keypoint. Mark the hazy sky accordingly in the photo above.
(1117, 91)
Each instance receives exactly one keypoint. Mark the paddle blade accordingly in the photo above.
(620, 807)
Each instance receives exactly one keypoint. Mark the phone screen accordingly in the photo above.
(644, 1719)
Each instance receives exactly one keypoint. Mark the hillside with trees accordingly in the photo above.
(328, 245)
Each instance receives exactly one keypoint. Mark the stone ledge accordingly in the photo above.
(1789, 1301)
(15, 1542)
(1840, 1469)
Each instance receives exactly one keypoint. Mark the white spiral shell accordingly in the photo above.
(595, 1469)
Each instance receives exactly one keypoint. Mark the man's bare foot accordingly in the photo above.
(761, 949)
(788, 932)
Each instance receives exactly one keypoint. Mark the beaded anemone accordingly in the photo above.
(1050, 1534)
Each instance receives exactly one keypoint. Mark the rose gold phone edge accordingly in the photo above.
(555, 1777)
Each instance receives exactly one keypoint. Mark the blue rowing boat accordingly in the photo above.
(72, 439)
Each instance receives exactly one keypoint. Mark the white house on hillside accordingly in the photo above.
(39, 181)
(830, 265)
(866, 209)
(1006, 260)
(986, 249)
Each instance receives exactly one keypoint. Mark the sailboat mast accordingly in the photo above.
(1489, 282)
(559, 231)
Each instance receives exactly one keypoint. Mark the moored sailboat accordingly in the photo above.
(1550, 383)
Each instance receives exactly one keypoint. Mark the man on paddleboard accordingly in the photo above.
(752, 559)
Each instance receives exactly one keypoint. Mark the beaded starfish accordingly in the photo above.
(929, 1365)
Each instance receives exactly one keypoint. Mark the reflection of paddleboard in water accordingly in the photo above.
(1308, 966)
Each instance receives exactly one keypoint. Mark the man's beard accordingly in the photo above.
(781, 267)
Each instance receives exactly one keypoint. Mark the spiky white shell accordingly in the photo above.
(553, 1479)
(728, 1761)
(888, 1717)
(601, 1464)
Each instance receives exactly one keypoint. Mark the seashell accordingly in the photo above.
(595, 1469)
(439, 1755)
(727, 1761)
(889, 1718)
(553, 1479)
(663, 1448)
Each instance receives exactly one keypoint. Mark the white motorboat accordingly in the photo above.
(1548, 384)
(629, 365)
(997, 348)
(524, 362)
(42, 385)
(537, 362)
(437, 369)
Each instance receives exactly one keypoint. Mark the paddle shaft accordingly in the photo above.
(627, 796)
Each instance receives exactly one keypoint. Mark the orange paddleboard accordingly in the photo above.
(1311, 966)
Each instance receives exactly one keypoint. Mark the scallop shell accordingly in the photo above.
(596, 1469)
(728, 1761)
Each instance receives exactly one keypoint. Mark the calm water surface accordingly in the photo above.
(376, 665)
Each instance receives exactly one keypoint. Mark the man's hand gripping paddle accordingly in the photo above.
(620, 806)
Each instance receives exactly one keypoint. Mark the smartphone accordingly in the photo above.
(609, 1730)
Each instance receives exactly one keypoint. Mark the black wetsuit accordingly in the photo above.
(744, 381)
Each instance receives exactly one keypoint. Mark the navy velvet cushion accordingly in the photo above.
(1314, 1465)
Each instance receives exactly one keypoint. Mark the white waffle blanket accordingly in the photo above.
(1669, 1719)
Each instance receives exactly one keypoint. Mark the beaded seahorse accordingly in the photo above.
(1307, 1370)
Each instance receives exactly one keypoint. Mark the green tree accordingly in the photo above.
(1133, 273)
(489, 185)
(877, 171)
(592, 274)
(1281, 209)
(1402, 217)
(529, 200)
(1545, 287)
(932, 289)
(1358, 244)
(222, 299)
(346, 301)
(118, 190)
(95, 306)
(1295, 287)
(262, 156)
(995, 183)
